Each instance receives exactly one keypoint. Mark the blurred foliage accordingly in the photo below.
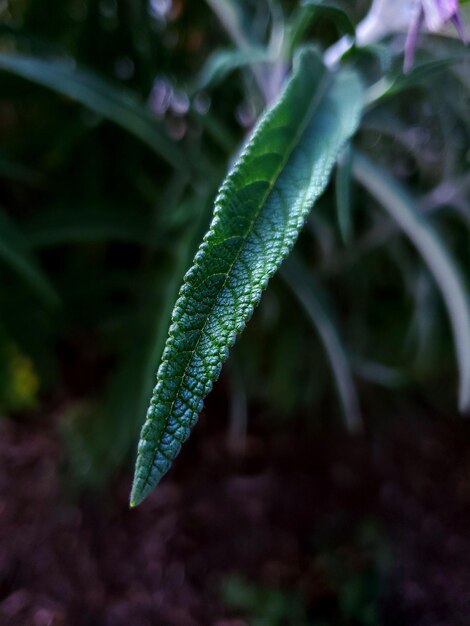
(19, 381)
(263, 605)
(350, 581)
(109, 164)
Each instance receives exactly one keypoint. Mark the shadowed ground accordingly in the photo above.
(358, 527)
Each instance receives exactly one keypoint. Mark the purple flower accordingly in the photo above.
(435, 14)
(438, 12)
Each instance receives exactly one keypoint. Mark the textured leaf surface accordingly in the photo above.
(64, 225)
(258, 213)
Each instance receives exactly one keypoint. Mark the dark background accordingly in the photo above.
(274, 513)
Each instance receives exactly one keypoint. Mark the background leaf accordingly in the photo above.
(333, 11)
(117, 104)
(343, 194)
(14, 251)
(60, 225)
(305, 289)
(394, 198)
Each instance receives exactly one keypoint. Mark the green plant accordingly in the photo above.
(356, 254)
(265, 606)
(354, 576)
(259, 211)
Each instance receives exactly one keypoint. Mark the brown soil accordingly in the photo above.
(367, 530)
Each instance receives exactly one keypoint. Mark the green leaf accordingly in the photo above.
(397, 81)
(232, 16)
(423, 72)
(400, 205)
(305, 289)
(114, 103)
(222, 62)
(62, 225)
(241, 25)
(343, 194)
(258, 213)
(303, 17)
(14, 251)
(297, 26)
(379, 374)
(332, 10)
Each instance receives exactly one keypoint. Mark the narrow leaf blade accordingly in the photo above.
(258, 213)
(343, 194)
(15, 252)
(305, 290)
(223, 62)
(331, 9)
(117, 104)
(396, 200)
